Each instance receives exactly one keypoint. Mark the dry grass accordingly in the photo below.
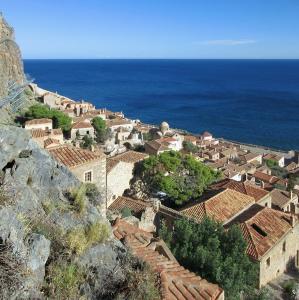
(78, 196)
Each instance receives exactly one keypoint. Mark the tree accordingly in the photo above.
(271, 163)
(60, 119)
(102, 132)
(87, 142)
(215, 254)
(190, 147)
(180, 176)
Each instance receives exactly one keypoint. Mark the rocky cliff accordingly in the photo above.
(11, 66)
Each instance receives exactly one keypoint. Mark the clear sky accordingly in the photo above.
(155, 28)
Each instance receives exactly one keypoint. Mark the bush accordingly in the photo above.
(92, 193)
(126, 212)
(80, 239)
(63, 281)
(290, 288)
(87, 142)
(190, 147)
(78, 196)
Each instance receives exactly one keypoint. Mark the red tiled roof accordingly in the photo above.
(38, 121)
(157, 146)
(190, 138)
(124, 202)
(221, 207)
(263, 228)
(111, 163)
(243, 187)
(38, 133)
(176, 281)
(130, 156)
(265, 177)
(72, 156)
(50, 141)
(81, 124)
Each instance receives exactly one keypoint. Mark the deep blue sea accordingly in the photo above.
(253, 101)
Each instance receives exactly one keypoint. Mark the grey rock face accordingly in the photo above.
(11, 66)
(31, 178)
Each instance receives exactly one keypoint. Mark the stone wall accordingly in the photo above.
(280, 259)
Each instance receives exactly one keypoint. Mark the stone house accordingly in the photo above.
(278, 158)
(82, 128)
(120, 172)
(284, 201)
(87, 166)
(206, 136)
(190, 138)
(251, 158)
(116, 123)
(156, 147)
(44, 124)
(40, 136)
(222, 207)
(273, 240)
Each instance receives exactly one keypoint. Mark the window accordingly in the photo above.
(87, 132)
(284, 247)
(266, 204)
(268, 262)
(88, 176)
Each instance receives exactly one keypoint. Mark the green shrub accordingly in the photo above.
(92, 192)
(290, 288)
(63, 281)
(80, 239)
(126, 212)
(76, 240)
(79, 199)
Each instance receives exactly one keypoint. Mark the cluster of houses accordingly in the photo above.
(249, 195)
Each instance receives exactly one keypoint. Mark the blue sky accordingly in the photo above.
(155, 28)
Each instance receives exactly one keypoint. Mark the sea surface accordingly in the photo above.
(252, 101)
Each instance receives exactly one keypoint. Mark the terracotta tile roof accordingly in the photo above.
(121, 202)
(111, 163)
(292, 166)
(57, 131)
(176, 281)
(243, 187)
(280, 198)
(50, 141)
(130, 156)
(72, 156)
(263, 228)
(250, 156)
(273, 156)
(117, 122)
(81, 124)
(38, 133)
(265, 177)
(190, 138)
(221, 207)
(38, 121)
(157, 146)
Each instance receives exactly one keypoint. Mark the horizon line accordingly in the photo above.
(162, 58)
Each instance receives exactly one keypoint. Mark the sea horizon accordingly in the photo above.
(247, 100)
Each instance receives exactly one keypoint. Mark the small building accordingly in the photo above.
(206, 136)
(284, 201)
(87, 166)
(82, 128)
(44, 124)
(50, 143)
(273, 240)
(264, 180)
(120, 172)
(40, 136)
(117, 122)
(279, 159)
(222, 207)
(190, 138)
(251, 158)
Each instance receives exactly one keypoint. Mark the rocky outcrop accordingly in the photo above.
(11, 65)
(36, 213)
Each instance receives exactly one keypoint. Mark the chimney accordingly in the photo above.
(291, 194)
(263, 184)
(92, 148)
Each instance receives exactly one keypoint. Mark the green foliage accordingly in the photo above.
(190, 147)
(63, 281)
(80, 239)
(271, 163)
(147, 136)
(92, 192)
(102, 132)
(78, 196)
(126, 212)
(181, 177)
(214, 253)
(290, 288)
(60, 120)
(87, 142)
